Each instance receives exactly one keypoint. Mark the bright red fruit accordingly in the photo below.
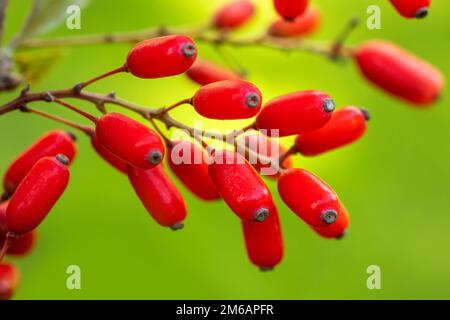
(9, 281)
(346, 126)
(309, 197)
(412, 8)
(3, 225)
(234, 15)
(159, 196)
(400, 72)
(264, 241)
(228, 100)
(338, 229)
(296, 113)
(302, 26)
(189, 162)
(108, 156)
(204, 72)
(130, 140)
(37, 194)
(162, 57)
(49, 145)
(240, 186)
(291, 9)
(23, 245)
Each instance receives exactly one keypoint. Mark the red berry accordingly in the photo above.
(51, 144)
(296, 113)
(37, 194)
(346, 126)
(338, 229)
(159, 196)
(240, 186)
(228, 100)
(412, 8)
(291, 9)
(130, 140)
(9, 281)
(162, 57)
(302, 26)
(3, 225)
(108, 156)
(189, 162)
(309, 197)
(399, 72)
(23, 245)
(264, 241)
(204, 72)
(234, 15)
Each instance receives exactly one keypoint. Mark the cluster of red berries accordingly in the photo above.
(37, 178)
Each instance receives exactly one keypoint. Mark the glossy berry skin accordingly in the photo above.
(338, 229)
(23, 245)
(399, 72)
(234, 15)
(204, 72)
(159, 196)
(291, 9)
(302, 26)
(309, 197)
(162, 57)
(296, 113)
(130, 140)
(228, 100)
(114, 161)
(345, 127)
(37, 194)
(240, 186)
(264, 241)
(49, 145)
(412, 8)
(189, 162)
(3, 225)
(9, 281)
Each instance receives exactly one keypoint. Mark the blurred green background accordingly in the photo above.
(394, 181)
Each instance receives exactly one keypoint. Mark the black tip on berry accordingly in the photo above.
(329, 105)
(266, 269)
(62, 159)
(329, 216)
(261, 215)
(189, 50)
(421, 13)
(253, 100)
(342, 236)
(177, 226)
(366, 114)
(155, 157)
(5, 196)
(72, 136)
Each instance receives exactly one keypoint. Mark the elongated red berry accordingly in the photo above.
(162, 57)
(412, 8)
(3, 225)
(302, 26)
(399, 72)
(240, 186)
(9, 281)
(49, 145)
(205, 72)
(234, 15)
(159, 196)
(291, 9)
(296, 113)
(37, 194)
(346, 126)
(309, 197)
(189, 162)
(130, 140)
(116, 162)
(23, 245)
(338, 229)
(228, 100)
(264, 241)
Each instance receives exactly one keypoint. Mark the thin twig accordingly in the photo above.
(3, 7)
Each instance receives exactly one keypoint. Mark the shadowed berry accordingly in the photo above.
(108, 156)
(302, 26)
(204, 72)
(412, 8)
(9, 281)
(23, 245)
(234, 15)
(291, 9)
(3, 225)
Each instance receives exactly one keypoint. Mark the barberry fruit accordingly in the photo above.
(37, 194)
(205, 72)
(228, 100)
(338, 229)
(309, 197)
(162, 57)
(9, 281)
(291, 9)
(23, 245)
(3, 225)
(296, 113)
(399, 72)
(412, 8)
(130, 140)
(107, 155)
(234, 15)
(240, 186)
(159, 196)
(346, 126)
(302, 26)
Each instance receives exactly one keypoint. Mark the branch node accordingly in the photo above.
(25, 90)
(78, 87)
(48, 97)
